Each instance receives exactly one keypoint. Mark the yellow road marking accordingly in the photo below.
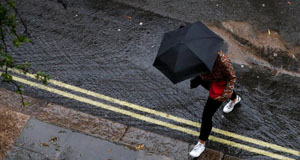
(248, 148)
(116, 101)
(258, 142)
(147, 119)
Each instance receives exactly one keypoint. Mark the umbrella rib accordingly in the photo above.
(177, 61)
(204, 38)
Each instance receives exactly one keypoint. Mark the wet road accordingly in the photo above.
(278, 15)
(101, 46)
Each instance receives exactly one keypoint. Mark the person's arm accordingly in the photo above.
(195, 82)
(231, 77)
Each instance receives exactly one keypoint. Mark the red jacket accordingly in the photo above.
(216, 89)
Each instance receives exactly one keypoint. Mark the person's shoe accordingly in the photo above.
(197, 150)
(230, 105)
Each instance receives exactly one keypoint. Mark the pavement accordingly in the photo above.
(46, 131)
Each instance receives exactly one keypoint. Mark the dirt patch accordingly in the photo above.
(11, 124)
(267, 38)
(267, 47)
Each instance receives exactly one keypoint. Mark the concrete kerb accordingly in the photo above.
(117, 133)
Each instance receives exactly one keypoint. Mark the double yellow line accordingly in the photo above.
(157, 113)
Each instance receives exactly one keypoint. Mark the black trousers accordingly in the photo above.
(210, 109)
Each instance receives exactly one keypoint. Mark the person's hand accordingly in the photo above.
(194, 83)
(219, 98)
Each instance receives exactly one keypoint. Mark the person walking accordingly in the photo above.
(220, 83)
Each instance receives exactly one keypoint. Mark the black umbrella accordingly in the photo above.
(187, 52)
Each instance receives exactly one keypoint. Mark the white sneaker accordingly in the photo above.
(197, 150)
(230, 105)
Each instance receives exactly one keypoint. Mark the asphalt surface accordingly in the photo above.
(278, 15)
(102, 46)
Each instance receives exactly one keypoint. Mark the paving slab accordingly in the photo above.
(156, 143)
(142, 155)
(43, 138)
(11, 125)
(228, 157)
(83, 147)
(209, 154)
(83, 122)
(18, 153)
(40, 140)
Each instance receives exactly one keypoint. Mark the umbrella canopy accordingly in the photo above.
(187, 52)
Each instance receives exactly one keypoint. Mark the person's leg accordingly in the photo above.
(233, 97)
(210, 109)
